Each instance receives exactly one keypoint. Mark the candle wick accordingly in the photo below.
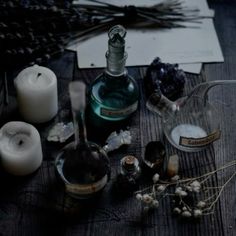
(20, 142)
(38, 75)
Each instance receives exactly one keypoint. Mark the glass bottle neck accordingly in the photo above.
(77, 91)
(116, 55)
(115, 64)
(79, 127)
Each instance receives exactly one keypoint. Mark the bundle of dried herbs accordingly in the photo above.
(34, 31)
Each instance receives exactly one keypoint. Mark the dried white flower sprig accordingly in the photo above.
(192, 197)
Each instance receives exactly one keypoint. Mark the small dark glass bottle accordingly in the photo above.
(83, 166)
(128, 178)
(130, 167)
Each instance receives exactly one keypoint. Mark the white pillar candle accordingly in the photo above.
(20, 148)
(36, 88)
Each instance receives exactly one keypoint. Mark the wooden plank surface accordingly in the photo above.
(225, 100)
(38, 205)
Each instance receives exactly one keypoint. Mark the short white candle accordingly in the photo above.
(36, 88)
(20, 148)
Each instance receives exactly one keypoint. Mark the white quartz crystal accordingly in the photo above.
(116, 140)
(60, 132)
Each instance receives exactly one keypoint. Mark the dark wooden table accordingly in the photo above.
(38, 205)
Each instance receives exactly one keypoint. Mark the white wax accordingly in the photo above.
(36, 88)
(20, 148)
(188, 131)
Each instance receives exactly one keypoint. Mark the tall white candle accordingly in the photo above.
(36, 88)
(20, 148)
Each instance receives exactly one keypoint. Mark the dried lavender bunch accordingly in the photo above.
(33, 31)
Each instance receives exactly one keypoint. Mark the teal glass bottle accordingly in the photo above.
(114, 94)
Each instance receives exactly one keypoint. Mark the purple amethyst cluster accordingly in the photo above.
(165, 78)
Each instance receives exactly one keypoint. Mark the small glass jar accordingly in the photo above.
(190, 123)
(130, 167)
(128, 178)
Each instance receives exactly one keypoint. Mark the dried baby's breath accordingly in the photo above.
(203, 196)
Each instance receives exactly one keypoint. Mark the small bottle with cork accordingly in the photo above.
(128, 179)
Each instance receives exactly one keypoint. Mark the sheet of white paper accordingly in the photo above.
(194, 68)
(181, 45)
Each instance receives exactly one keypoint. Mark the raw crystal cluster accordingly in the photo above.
(115, 140)
(60, 132)
(164, 78)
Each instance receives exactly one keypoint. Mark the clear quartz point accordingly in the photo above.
(116, 140)
(60, 132)
(82, 165)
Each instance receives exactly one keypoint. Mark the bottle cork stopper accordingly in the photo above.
(129, 162)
